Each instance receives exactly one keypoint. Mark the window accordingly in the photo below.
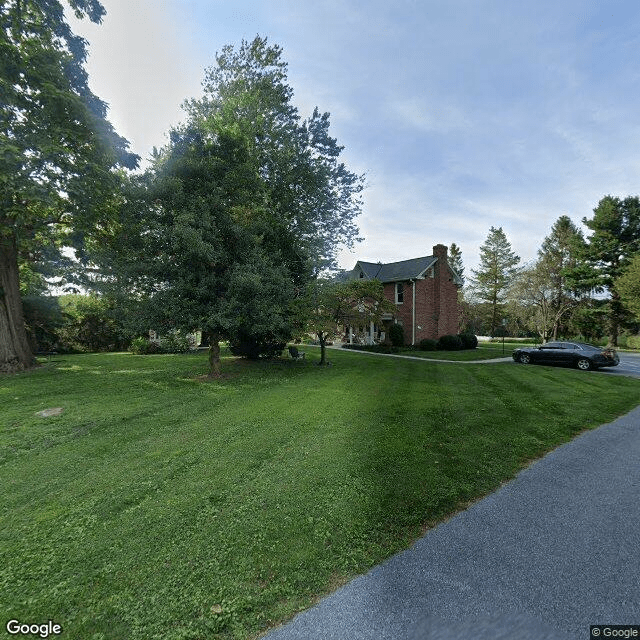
(399, 293)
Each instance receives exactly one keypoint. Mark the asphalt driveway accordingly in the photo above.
(551, 553)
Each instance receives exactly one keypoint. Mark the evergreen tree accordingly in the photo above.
(497, 270)
(556, 258)
(628, 286)
(614, 240)
(455, 260)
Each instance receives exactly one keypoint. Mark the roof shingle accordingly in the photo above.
(394, 271)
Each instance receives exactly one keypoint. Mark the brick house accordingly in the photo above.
(425, 292)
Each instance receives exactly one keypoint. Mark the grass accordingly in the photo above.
(161, 506)
(484, 351)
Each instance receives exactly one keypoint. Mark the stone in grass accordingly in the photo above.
(56, 411)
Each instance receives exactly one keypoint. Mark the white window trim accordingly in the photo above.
(396, 292)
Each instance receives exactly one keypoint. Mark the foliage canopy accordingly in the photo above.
(57, 151)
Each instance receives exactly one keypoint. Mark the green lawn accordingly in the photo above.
(161, 506)
(485, 351)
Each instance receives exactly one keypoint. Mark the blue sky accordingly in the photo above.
(463, 114)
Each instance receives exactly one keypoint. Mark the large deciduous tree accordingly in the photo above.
(243, 207)
(57, 150)
(171, 258)
(498, 266)
(541, 292)
(305, 187)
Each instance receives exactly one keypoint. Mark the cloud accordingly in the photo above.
(464, 115)
(421, 116)
(136, 64)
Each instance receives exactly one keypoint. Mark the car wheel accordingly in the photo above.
(525, 358)
(584, 364)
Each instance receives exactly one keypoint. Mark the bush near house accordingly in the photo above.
(469, 340)
(143, 346)
(253, 347)
(426, 344)
(396, 335)
(449, 343)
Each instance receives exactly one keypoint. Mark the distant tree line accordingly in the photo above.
(578, 287)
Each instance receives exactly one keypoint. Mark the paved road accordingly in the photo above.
(629, 366)
(552, 552)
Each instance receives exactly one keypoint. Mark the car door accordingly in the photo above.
(550, 353)
(570, 353)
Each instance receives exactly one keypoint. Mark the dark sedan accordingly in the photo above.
(573, 354)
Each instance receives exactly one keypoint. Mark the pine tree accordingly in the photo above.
(628, 285)
(614, 241)
(455, 260)
(558, 255)
(497, 269)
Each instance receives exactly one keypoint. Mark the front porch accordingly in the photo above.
(373, 333)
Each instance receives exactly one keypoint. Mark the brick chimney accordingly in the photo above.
(440, 251)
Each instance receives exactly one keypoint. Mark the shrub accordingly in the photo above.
(396, 335)
(426, 344)
(143, 346)
(43, 319)
(633, 342)
(175, 342)
(89, 325)
(449, 343)
(469, 340)
(253, 347)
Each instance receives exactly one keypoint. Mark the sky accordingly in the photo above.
(462, 114)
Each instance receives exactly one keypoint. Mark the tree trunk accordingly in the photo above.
(214, 355)
(494, 315)
(15, 352)
(615, 317)
(323, 348)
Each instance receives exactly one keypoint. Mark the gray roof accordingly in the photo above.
(394, 271)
